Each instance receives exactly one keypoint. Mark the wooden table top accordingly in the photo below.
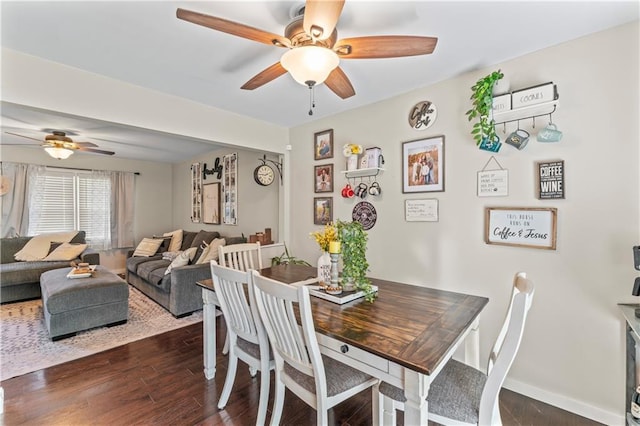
(410, 325)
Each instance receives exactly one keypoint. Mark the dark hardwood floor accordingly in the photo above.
(159, 381)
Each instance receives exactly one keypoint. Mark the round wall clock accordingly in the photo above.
(422, 115)
(365, 213)
(264, 175)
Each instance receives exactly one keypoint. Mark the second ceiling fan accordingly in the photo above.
(314, 48)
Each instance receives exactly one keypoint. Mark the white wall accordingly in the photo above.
(258, 206)
(572, 354)
(153, 195)
(32, 81)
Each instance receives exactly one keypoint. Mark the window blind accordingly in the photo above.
(68, 200)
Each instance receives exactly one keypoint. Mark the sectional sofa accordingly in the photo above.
(20, 280)
(176, 291)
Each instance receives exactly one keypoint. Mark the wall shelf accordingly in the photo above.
(373, 171)
(525, 113)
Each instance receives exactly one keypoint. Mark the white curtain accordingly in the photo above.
(122, 209)
(15, 198)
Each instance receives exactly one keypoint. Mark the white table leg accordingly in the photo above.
(472, 346)
(416, 387)
(209, 332)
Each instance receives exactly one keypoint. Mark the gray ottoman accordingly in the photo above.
(72, 305)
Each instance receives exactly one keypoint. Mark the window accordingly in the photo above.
(64, 200)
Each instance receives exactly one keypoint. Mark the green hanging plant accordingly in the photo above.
(353, 243)
(482, 98)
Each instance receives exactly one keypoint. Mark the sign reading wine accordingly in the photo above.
(524, 227)
(551, 180)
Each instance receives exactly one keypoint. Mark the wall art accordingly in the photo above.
(211, 203)
(230, 189)
(521, 226)
(421, 210)
(323, 145)
(322, 210)
(493, 182)
(423, 115)
(196, 192)
(365, 213)
(550, 180)
(323, 178)
(423, 165)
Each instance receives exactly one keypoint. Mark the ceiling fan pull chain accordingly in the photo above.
(312, 98)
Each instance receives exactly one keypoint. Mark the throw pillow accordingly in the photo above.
(170, 255)
(203, 237)
(176, 239)
(148, 247)
(66, 251)
(187, 239)
(37, 248)
(183, 259)
(212, 253)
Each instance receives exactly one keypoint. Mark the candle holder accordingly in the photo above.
(334, 268)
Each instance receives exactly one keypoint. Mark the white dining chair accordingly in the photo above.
(461, 394)
(319, 381)
(242, 257)
(247, 337)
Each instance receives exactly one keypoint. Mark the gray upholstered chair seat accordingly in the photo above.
(340, 377)
(455, 393)
(251, 348)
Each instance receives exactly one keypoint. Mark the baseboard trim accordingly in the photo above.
(580, 408)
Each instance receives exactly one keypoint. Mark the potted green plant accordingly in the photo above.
(482, 98)
(286, 259)
(353, 243)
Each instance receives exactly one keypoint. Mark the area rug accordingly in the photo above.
(26, 346)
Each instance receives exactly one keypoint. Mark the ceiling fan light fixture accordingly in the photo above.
(58, 153)
(310, 63)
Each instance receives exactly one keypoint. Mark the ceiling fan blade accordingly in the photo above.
(339, 84)
(23, 136)
(86, 144)
(321, 17)
(233, 28)
(384, 46)
(97, 151)
(265, 76)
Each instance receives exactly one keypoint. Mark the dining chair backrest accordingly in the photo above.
(292, 343)
(242, 257)
(506, 346)
(237, 301)
(246, 336)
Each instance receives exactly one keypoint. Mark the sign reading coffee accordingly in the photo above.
(551, 180)
(525, 227)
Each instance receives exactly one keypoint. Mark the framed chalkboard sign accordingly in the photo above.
(521, 226)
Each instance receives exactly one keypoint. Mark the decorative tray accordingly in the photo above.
(81, 272)
(344, 297)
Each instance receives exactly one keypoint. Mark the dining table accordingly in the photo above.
(404, 337)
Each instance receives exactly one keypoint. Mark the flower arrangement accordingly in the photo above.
(324, 237)
(352, 149)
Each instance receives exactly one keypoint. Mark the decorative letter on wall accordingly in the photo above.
(230, 189)
(196, 192)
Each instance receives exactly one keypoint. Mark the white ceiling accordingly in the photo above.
(143, 43)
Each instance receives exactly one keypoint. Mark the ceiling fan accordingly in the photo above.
(314, 50)
(60, 146)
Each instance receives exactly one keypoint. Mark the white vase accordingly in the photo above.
(324, 269)
(352, 162)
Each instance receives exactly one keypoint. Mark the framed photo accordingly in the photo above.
(211, 203)
(323, 178)
(521, 226)
(423, 165)
(322, 210)
(323, 144)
